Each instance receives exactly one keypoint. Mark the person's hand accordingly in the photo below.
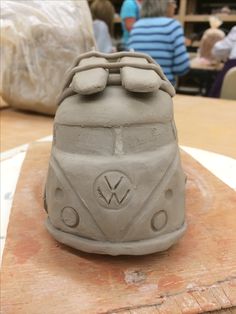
(187, 41)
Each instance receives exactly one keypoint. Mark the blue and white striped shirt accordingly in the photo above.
(162, 38)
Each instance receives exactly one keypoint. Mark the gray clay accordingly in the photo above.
(115, 183)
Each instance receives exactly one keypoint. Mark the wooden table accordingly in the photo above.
(206, 123)
(194, 64)
(18, 128)
(196, 275)
(204, 75)
(3, 104)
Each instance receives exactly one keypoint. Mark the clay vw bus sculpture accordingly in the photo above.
(115, 183)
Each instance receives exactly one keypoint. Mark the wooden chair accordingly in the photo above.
(228, 90)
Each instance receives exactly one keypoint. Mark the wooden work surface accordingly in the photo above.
(19, 127)
(204, 123)
(198, 274)
(195, 64)
(3, 104)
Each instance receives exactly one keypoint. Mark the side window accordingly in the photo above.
(85, 140)
(146, 137)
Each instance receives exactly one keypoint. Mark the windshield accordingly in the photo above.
(113, 141)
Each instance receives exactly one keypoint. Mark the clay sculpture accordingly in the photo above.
(115, 184)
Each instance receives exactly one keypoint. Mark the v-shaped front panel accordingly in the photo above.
(114, 189)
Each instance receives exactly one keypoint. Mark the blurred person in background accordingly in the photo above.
(103, 17)
(129, 14)
(224, 50)
(159, 35)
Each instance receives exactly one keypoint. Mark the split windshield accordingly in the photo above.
(111, 141)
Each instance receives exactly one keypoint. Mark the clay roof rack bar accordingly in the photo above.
(161, 82)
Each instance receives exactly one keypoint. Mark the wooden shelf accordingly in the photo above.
(117, 18)
(192, 22)
(205, 18)
(189, 20)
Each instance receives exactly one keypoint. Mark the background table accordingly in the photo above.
(200, 77)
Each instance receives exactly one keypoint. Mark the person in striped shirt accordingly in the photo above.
(159, 35)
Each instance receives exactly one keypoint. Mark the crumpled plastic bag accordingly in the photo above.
(210, 37)
(39, 41)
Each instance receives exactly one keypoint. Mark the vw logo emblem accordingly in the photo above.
(113, 189)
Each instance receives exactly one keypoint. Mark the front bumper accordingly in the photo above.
(141, 247)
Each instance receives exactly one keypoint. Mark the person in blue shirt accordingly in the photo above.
(129, 14)
(159, 35)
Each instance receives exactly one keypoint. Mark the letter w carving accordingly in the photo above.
(113, 192)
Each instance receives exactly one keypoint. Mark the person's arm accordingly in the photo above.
(131, 45)
(222, 48)
(180, 56)
(102, 36)
(128, 14)
(129, 22)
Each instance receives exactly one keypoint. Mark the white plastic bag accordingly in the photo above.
(39, 41)
(209, 38)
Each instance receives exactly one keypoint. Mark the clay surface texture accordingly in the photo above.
(115, 184)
